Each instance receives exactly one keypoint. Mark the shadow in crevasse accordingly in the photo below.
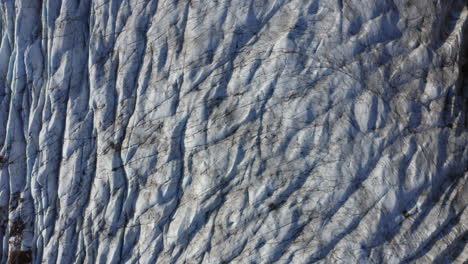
(200, 220)
(455, 114)
(443, 183)
(445, 24)
(327, 248)
(294, 231)
(363, 174)
(389, 224)
(453, 251)
(460, 98)
(452, 220)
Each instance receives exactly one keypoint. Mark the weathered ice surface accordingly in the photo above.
(233, 131)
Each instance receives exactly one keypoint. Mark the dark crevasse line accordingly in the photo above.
(454, 250)
(62, 101)
(325, 250)
(76, 199)
(130, 95)
(176, 155)
(448, 225)
(21, 206)
(6, 52)
(462, 90)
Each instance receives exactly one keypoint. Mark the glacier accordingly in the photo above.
(233, 131)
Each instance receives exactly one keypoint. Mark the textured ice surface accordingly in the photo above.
(233, 131)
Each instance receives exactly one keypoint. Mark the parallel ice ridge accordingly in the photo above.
(233, 131)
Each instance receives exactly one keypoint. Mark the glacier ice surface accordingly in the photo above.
(233, 131)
